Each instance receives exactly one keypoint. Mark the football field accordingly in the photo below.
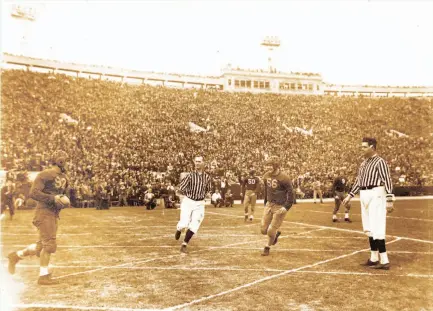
(126, 258)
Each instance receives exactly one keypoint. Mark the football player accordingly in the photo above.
(340, 191)
(278, 200)
(250, 186)
(48, 191)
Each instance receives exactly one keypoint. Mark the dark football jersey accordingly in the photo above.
(251, 183)
(47, 185)
(278, 188)
(340, 184)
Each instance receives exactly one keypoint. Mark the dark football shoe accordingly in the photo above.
(266, 251)
(370, 263)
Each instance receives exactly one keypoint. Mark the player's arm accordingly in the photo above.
(334, 185)
(36, 192)
(67, 189)
(289, 193)
(265, 190)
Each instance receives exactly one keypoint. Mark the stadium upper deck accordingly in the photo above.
(231, 80)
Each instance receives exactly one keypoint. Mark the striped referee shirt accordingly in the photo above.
(195, 185)
(373, 172)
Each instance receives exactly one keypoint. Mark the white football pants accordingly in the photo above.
(373, 211)
(191, 214)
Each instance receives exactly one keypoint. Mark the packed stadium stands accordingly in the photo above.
(122, 136)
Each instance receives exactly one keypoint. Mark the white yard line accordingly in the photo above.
(34, 234)
(74, 307)
(241, 270)
(156, 258)
(339, 229)
(394, 217)
(358, 231)
(199, 300)
(366, 273)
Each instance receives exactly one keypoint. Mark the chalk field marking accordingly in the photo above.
(74, 307)
(394, 217)
(193, 302)
(412, 275)
(341, 229)
(358, 231)
(294, 235)
(62, 306)
(153, 259)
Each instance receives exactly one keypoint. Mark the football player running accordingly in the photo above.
(48, 190)
(278, 200)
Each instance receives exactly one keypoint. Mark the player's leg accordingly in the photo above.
(247, 198)
(185, 216)
(30, 250)
(12, 209)
(277, 220)
(47, 232)
(314, 196)
(378, 228)
(272, 231)
(264, 225)
(321, 196)
(347, 210)
(197, 216)
(253, 205)
(338, 201)
(2, 208)
(15, 257)
(266, 219)
(365, 197)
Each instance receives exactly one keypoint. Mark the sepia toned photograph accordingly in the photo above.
(216, 155)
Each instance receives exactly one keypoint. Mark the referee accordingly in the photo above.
(374, 183)
(194, 186)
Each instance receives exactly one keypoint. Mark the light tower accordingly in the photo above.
(271, 43)
(23, 17)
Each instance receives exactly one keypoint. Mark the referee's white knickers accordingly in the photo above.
(191, 214)
(373, 212)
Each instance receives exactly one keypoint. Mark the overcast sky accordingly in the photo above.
(348, 42)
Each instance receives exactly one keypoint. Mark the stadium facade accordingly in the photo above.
(231, 79)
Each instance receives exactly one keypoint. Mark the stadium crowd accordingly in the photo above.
(124, 139)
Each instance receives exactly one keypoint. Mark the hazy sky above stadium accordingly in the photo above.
(349, 42)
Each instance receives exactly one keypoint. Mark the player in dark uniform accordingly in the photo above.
(340, 191)
(278, 200)
(250, 186)
(48, 190)
(7, 198)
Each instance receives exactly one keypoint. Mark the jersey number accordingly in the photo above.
(273, 183)
(60, 182)
(251, 181)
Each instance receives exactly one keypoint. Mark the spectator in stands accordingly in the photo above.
(41, 119)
